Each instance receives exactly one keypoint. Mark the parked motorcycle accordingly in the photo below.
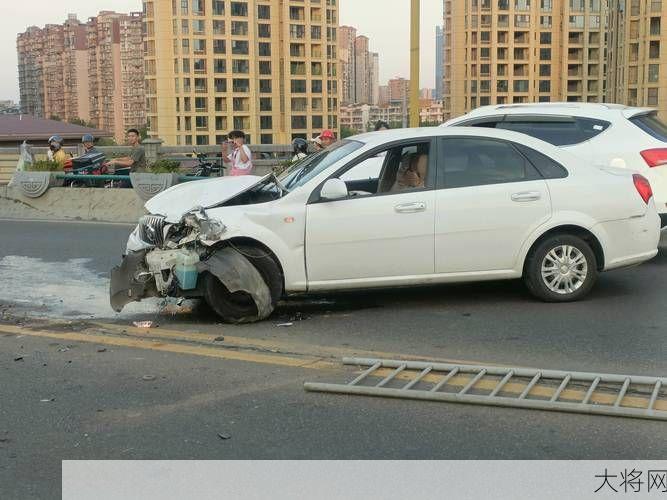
(86, 164)
(205, 167)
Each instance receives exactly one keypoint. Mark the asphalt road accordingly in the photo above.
(99, 405)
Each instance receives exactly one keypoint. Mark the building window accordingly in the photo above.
(265, 86)
(241, 85)
(264, 30)
(220, 66)
(202, 140)
(266, 139)
(220, 85)
(201, 122)
(652, 97)
(264, 67)
(240, 47)
(239, 28)
(264, 49)
(265, 104)
(299, 122)
(263, 12)
(316, 86)
(653, 72)
(265, 122)
(218, 7)
(219, 47)
(318, 121)
(299, 86)
(240, 66)
(220, 123)
(239, 9)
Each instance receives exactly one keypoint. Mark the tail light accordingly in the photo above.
(655, 157)
(643, 187)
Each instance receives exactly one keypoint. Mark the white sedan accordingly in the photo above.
(437, 205)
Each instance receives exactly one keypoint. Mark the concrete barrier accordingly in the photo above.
(66, 203)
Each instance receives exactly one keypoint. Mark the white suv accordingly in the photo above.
(602, 134)
(387, 209)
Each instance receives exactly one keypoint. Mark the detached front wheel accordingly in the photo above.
(562, 268)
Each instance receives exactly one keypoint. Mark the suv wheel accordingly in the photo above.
(563, 268)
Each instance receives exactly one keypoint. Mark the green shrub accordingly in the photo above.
(165, 167)
(44, 166)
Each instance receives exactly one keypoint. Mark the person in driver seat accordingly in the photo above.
(412, 172)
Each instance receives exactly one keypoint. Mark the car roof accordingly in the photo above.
(580, 109)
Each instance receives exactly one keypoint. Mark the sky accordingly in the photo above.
(385, 22)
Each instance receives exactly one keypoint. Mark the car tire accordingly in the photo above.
(239, 307)
(562, 268)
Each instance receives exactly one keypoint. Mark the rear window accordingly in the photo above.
(652, 125)
(559, 131)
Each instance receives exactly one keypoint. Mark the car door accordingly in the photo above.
(382, 237)
(489, 200)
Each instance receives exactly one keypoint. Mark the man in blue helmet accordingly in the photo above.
(89, 144)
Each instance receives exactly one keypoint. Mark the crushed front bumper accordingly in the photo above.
(131, 282)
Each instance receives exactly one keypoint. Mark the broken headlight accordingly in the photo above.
(151, 230)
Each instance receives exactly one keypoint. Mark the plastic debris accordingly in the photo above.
(63, 349)
(219, 339)
(18, 358)
(47, 400)
(148, 377)
(143, 324)
(285, 325)
(102, 349)
(224, 436)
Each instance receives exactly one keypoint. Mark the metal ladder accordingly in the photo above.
(591, 393)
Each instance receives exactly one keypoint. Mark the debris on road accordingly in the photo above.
(224, 436)
(143, 324)
(63, 349)
(47, 400)
(102, 349)
(148, 377)
(18, 358)
(219, 339)
(285, 325)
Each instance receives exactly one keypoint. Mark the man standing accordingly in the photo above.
(240, 157)
(136, 160)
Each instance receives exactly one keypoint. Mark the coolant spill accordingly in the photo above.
(63, 289)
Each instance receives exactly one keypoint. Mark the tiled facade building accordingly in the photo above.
(85, 71)
(266, 67)
(517, 51)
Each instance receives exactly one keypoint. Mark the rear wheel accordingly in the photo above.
(562, 268)
(239, 307)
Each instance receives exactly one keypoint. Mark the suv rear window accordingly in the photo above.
(652, 125)
(559, 131)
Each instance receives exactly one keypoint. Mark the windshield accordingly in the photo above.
(652, 125)
(301, 172)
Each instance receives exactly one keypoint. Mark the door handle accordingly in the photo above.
(526, 197)
(410, 208)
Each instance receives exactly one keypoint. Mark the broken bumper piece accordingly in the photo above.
(130, 282)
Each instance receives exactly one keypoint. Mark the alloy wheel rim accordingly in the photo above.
(564, 269)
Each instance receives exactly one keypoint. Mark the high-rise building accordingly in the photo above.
(383, 95)
(374, 78)
(91, 71)
(347, 36)
(360, 68)
(116, 72)
(637, 73)
(266, 67)
(439, 61)
(518, 51)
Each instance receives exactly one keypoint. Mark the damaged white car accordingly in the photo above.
(387, 209)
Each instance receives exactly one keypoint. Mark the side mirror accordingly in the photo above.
(334, 189)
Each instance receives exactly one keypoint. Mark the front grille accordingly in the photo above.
(151, 229)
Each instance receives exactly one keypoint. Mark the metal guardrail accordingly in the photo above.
(112, 177)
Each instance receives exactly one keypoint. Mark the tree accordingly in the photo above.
(77, 121)
(55, 118)
(346, 132)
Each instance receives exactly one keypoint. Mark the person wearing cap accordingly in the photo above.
(328, 138)
(317, 142)
(88, 142)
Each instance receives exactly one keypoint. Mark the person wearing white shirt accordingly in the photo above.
(240, 157)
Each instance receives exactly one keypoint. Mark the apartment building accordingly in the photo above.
(116, 72)
(267, 67)
(517, 51)
(85, 71)
(360, 73)
(439, 61)
(638, 53)
(399, 90)
(363, 117)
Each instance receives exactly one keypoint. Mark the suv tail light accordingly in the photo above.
(643, 187)
(655, 157)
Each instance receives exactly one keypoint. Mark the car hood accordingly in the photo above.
(180, 199)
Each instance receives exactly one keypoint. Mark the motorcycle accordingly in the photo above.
(205, 167)
(86, 164)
